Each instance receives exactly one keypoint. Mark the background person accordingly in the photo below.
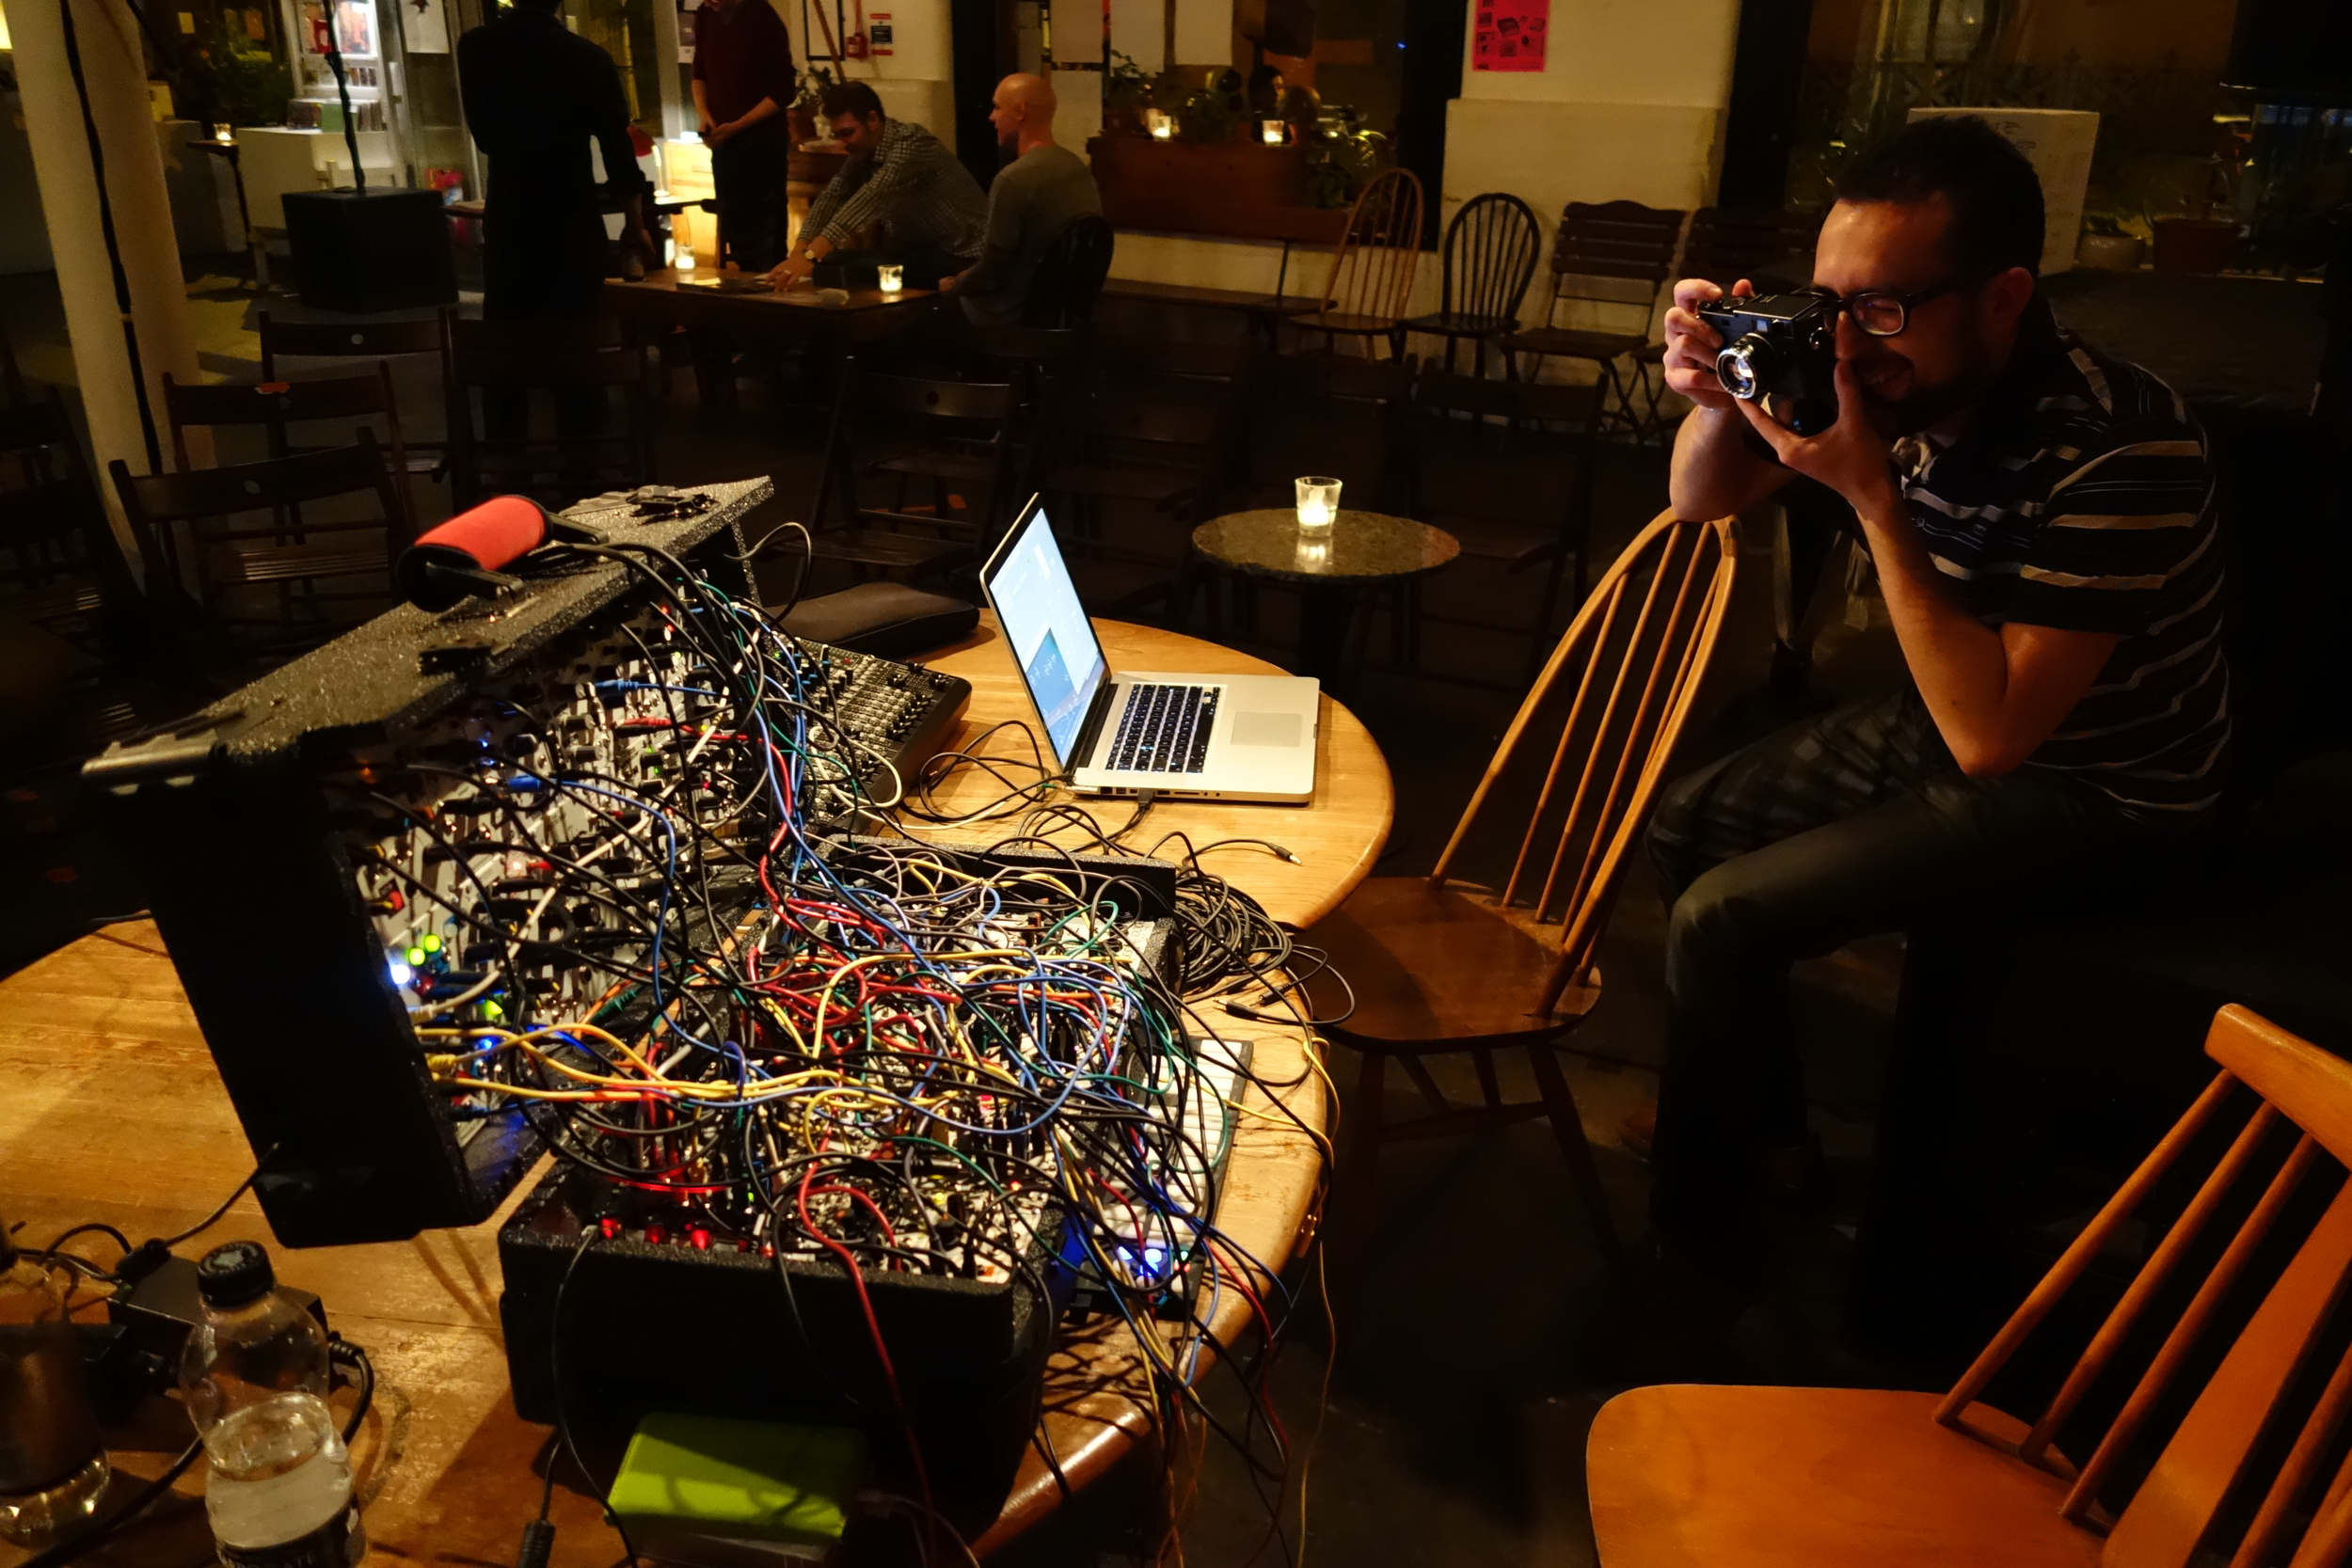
(900, 179)
(2041, 522)
(744, 81)
(1035, 196)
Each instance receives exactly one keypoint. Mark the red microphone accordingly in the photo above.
(461, 558)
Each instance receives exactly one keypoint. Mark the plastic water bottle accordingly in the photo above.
(255, 1377)
(53, 1463)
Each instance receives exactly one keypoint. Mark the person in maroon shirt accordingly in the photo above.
(742, 82)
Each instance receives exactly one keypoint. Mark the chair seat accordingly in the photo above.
(1343, 320)
(1463, 323)
(1140, 481)
(937, 463)
(1431, 965)
(1568, 343)
(1700, 1476)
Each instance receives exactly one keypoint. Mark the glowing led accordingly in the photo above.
(492, 1011)
(431, 942)
(415, 956)
(402, 974)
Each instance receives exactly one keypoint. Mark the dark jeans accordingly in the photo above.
(542, 266)
(1852, 824)
(748, 171)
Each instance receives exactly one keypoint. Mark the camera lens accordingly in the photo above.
(1747, 367)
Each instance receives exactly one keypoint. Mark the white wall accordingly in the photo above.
(916, 80)
(1621, 51)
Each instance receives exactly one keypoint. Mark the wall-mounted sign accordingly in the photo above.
(879, 33)
(1510, 34)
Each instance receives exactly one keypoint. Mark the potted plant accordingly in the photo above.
(1343, 155)
(1213, 113)
(1127, 93)
(2107, 246)
(813, 81)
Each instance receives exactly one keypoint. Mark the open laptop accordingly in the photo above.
(1219, 738)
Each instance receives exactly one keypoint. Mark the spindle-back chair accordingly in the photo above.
(1441, 964)
(1371, 282)
(1833, 1477)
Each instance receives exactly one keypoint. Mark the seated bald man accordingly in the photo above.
(1034, 198)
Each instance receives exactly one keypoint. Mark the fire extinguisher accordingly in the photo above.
(855, 45)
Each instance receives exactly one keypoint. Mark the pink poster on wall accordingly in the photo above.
(1510, 34)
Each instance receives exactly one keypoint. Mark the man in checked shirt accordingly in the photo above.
(900, 177)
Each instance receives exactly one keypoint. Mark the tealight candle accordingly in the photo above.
(1163, 124)
(1272, 129)
(890, 279)
(1318, 501)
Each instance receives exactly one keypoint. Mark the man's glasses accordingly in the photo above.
(1884, 312)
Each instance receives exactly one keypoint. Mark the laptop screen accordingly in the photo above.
(1052, 642)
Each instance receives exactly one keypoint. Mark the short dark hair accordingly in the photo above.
(1994, 195)
(849, 98)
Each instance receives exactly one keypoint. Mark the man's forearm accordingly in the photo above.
(1714, 473)
(765, 109)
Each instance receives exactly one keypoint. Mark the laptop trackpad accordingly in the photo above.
(1266, 729)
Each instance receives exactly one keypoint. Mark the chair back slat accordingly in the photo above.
(343, 339)
(1371, 272)
(1491, 248)
(2151, 1275)
(2232, 1463)
(2189, 1330)
(1731, 243)
(2268, 1530)
(1647, 661)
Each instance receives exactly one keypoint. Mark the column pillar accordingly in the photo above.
(114, 70)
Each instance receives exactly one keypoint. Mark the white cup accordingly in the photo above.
(1318, 501)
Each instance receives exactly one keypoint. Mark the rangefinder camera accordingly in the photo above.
(1780, 352)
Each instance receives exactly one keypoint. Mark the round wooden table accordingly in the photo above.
(1332, 568)
(114, 1112)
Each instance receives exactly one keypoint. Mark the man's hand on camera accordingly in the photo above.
(1691, 344)
(1850, 457)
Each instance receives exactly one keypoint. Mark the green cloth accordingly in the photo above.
(747, 1480)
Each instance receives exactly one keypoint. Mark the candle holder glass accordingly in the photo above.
(1318, 502)
(1273, 133)
(890, 279)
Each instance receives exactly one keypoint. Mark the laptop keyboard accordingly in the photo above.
(1164, 729)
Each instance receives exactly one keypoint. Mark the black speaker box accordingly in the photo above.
(368, 251)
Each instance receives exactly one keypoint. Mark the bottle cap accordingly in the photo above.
(234, 1273)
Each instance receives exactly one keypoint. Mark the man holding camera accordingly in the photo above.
(2040, 520)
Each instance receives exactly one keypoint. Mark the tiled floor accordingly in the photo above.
(1486, 1334)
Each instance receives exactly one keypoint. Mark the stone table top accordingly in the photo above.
(1360, 547)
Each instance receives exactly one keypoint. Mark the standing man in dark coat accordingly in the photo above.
(535, 94)
(743, 85)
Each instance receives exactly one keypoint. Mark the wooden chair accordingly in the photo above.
(1069, 276)
(2250, 1471)
(111, 660)
(1155, 425)
(1442, 965)
(582, 365)
(204, 549)
(378, 341)
(955, 436)
(1610, 263)
(1478, 445)
(1371, 282)
(273, 406)
(1491, 248)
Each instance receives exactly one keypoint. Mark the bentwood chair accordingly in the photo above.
(1610, 263)
(1371, 281)
(2228, 1448)
(1444, 966)
(1490, 252)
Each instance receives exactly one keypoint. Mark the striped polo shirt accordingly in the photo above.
(2080, 496)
